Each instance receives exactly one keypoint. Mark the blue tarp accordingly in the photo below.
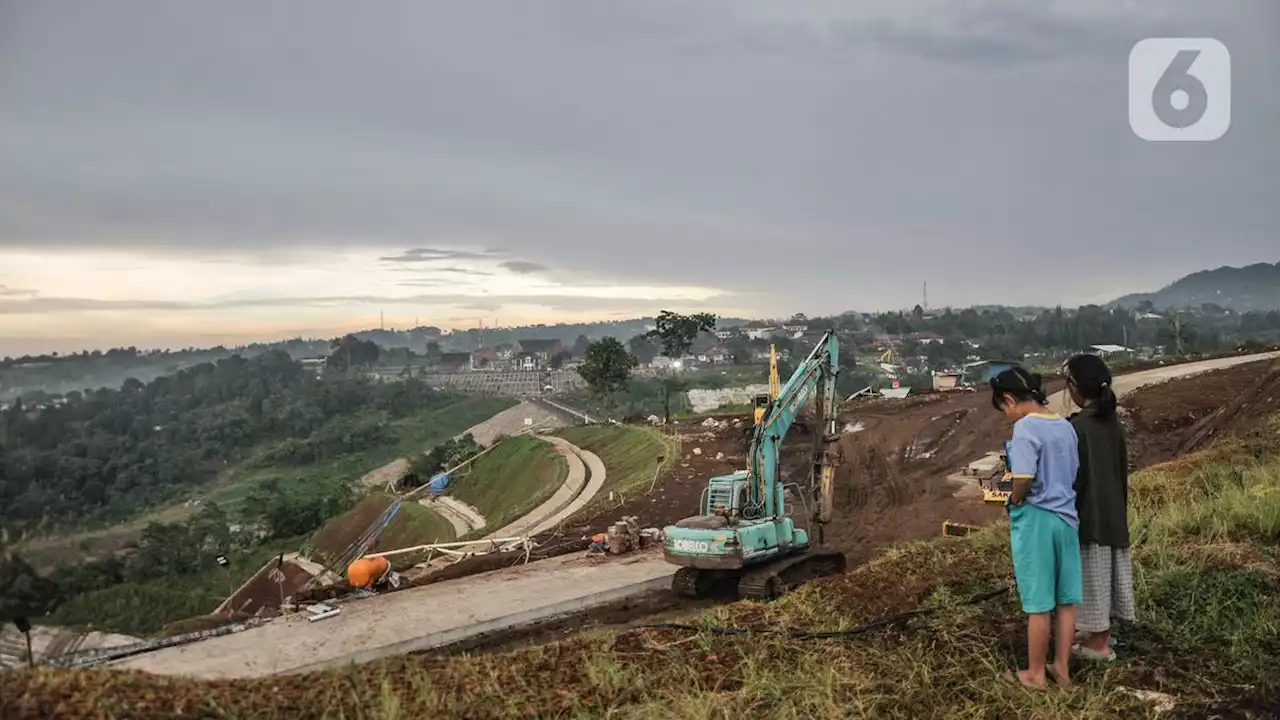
(438, 483)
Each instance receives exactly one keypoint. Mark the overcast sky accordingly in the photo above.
(189, 173)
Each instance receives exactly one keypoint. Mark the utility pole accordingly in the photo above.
(382, 319)
(926, 295)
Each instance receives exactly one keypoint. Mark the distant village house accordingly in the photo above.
(536, 354)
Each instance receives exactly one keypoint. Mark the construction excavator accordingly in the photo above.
(762, 400)
(745, 532)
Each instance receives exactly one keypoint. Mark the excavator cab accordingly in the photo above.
(761, 402)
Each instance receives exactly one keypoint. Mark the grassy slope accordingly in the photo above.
(630, 456)
(414, 434)
(512, 480)
(412, 525)
(145, 608)
(1207, 574)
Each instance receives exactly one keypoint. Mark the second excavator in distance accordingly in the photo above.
(745, 531)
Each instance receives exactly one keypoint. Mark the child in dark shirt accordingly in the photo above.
(1102, 494)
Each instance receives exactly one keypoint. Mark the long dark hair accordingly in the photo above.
(1018, 382)
(1091, 377)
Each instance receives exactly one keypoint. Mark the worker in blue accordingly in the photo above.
(1043, 523)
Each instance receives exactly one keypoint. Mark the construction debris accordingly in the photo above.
(321, 611)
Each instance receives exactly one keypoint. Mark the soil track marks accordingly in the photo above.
(891, 485)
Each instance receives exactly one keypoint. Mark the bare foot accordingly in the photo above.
(1026, 679)
(1060, 675)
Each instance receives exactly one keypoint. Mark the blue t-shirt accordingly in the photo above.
(1044, 449)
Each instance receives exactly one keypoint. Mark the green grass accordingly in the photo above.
(413, 524)
(1207, 580)
(416, 525)
(145, 608)
(413, 434)
(630, 456)
(511, 480)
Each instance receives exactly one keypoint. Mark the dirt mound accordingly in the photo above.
(1171, 419)
(892, 483)
(264, 593)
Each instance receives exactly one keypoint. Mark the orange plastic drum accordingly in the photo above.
(364, 572)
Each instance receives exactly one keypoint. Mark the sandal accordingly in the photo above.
(1083, 652)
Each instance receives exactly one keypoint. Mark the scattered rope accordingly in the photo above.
(825, 634)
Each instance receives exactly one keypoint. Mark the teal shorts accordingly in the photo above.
(1046, 559)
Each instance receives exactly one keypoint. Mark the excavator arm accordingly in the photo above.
(816, 374)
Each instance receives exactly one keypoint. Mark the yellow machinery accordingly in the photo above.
(954, 529)
(997, 491)
(775, 386)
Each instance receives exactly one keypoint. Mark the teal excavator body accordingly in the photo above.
(745, 531)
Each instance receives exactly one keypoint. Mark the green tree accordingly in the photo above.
(286, 507)
(677, 333)
(607, 367)
(22, 590)
(643, 348)
(1179, 333)
(350, 352)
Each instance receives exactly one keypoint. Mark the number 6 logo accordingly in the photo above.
(1179, 89)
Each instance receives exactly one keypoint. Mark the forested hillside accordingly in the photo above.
(1242, 289)
(103, 455)
(56, 374)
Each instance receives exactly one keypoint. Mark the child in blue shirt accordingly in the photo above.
(1043, 523)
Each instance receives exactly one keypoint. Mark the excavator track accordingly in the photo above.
(688, 582)
(771, 580)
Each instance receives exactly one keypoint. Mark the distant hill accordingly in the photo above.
(1252, 287)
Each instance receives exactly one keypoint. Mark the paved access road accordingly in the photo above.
(1124, 384)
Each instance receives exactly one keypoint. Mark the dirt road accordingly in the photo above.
(1124, 384)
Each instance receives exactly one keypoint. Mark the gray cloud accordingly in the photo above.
(524, 267)
(424, 283)
(831, 155)
(486, 302)
(6, 291)
(463, 271)
(427, 255)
